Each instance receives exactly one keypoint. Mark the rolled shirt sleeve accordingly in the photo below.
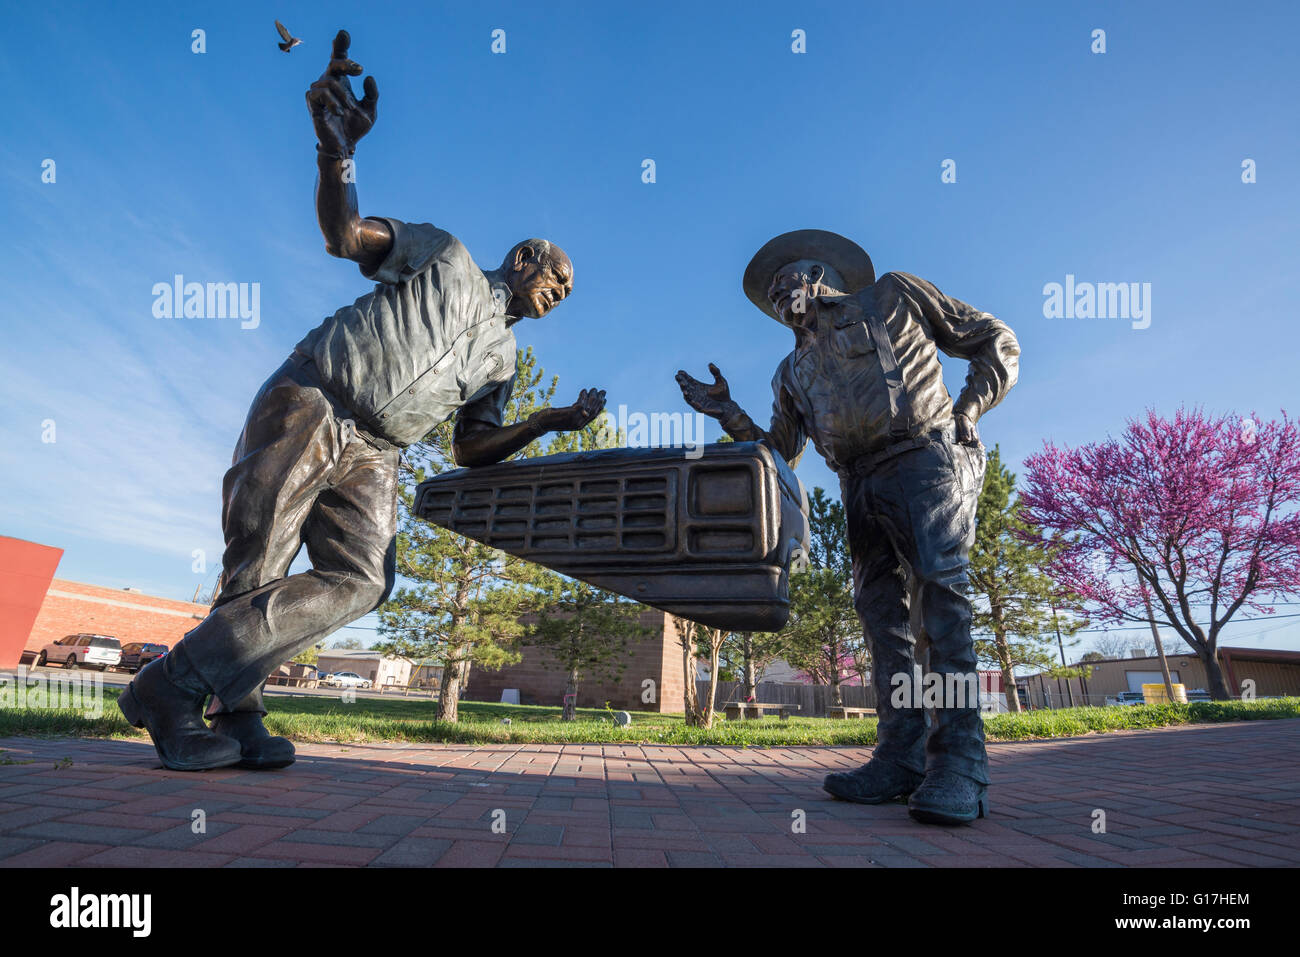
(965, 332)
(486, 411)
(414, 246)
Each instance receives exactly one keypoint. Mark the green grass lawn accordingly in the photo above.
(312, 718)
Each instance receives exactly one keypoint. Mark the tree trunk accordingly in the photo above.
(750, 690)
(1218, 687)
(449, 692)
(706, 715)
(689, 691)
(571, 696)
(1008, 673)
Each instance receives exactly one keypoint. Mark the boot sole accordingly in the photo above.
(134, 713)
(883, 799)
(257, 764)
(936, 816)
(902, 796)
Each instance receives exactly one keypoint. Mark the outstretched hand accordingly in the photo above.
(713, 400)
(339, 117)
(591, 402)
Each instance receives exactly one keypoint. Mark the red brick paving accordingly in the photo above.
(1207, 795)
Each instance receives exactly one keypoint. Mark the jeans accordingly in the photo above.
(911, 523)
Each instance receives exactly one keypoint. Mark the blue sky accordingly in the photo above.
(1115, 167)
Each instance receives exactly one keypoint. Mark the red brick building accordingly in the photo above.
(128, 615)
(541, 680)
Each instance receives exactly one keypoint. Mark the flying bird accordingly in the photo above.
(290, 41)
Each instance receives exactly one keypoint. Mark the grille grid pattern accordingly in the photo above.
(597, 515)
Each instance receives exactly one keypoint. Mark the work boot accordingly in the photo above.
(261, 751)
(946, 797)
(875, 782)
(168, 703)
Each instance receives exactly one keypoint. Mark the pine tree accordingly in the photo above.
(465, 600)
(1018, 606)
(823, 637)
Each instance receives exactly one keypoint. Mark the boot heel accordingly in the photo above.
(984, 806)
(130, 707)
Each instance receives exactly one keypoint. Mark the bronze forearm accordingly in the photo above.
(347, 235)
(488, 446)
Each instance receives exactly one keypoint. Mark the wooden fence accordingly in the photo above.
(813, 700)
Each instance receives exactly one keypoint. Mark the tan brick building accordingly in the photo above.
(1272, 672)
(541, 680)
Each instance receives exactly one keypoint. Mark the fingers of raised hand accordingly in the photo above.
(340, 63)
(371, 99)
(320, 97)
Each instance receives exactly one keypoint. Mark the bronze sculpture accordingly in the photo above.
(865, 385)
(317, 461)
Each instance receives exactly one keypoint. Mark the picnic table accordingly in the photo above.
(292, 682)
(740, 710)
(850, 713)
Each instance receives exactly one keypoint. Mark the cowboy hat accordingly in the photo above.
(844, 255)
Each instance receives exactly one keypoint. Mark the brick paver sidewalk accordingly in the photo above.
(1219, 795)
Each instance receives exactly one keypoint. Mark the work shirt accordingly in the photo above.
(431, 339)
(834, 388)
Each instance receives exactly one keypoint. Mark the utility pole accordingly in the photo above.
(1160, 648)
(1061, 645)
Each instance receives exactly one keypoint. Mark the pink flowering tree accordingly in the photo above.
(1201, 513)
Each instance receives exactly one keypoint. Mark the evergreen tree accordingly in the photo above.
(1017, 604)
(823, 637)
(465, 600)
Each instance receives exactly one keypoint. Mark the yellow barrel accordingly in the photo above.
(1155, 694)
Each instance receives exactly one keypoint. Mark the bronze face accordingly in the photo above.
(795, 285)
(538, 279)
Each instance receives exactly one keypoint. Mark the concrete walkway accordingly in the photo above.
(1217, 795)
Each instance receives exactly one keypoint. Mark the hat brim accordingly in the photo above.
(847, 258)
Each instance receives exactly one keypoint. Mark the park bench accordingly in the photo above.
(850, 713)
(738, 710)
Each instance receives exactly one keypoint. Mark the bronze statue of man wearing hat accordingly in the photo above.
(864, 383)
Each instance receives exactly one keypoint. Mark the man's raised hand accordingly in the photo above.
(713, 400)
(340, 119)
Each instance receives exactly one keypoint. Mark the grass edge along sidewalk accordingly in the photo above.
(330, 719)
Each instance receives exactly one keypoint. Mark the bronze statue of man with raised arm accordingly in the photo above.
(317, 461)
(864, 383)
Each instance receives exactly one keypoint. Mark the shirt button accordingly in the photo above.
(410, 391)
(470, 334)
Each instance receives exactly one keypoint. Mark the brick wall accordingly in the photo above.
(541, 680)
(72, 607)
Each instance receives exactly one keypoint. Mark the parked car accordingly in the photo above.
(1130, 697)
(76, 651)
(346, 679)
(137, 654)
(1198, 695)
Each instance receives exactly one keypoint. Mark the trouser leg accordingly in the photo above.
(291, 463)
(350, 541)
(933, 493)
(881, 599)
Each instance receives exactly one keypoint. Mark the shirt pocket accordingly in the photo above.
(853, 340)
